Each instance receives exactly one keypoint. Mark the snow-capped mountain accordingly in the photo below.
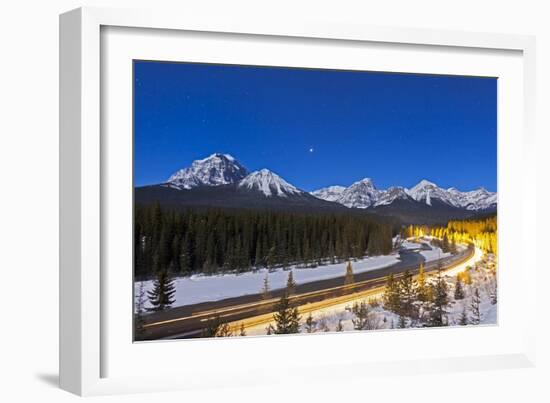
(215, 170)
(220, 181)
(425, 191)
(363, 194)
(479, 199)
(392, 194)
(269, 183)
(331, 193)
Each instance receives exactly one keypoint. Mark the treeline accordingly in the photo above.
(215, 240)
(482, 232)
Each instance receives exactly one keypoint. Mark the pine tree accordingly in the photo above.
(402, 322)
(407, 296)
(216, 328)
(286, 318)
(361, 312)
(310, 324)
(161, 297)
(459, 289)
(224, 331)
(242, 332)
(452, 247)
(271, 258)
(463, 318)
(445, 243)
(185, 256)
(349, 275)
(392, 297)
(139, 322)
(474, 307)
(266, 294)
(421, 285)
(339, 326)
(438, 313)
(258, 260)
(493, 293)
(290, 284)
(332, 253)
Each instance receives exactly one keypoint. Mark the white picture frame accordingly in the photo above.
(88, 318)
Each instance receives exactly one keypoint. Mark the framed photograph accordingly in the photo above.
(265, 192)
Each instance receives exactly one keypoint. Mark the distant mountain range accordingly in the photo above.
(363, 194)
(221, 181)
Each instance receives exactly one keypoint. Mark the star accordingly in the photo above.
(311, 150)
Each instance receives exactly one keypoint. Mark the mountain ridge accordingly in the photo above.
(359, 195)
(219, 180)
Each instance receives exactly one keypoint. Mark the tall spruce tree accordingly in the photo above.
(421, 285)
(216, 328)
(349, 275)
(310, 324)
(445, 243)
(494, 295)
(271, 259)
(259, 257)
(185, 257)
(212, 326)
(452, 247)
(392, 295)
(286, 317)
(161, 297)
(463, 317)
(361, 312)
(266, 294)
(139, 322)
(459, 289)
(402, 322)
(475, 307)
(290, 284)
(440, 304)
(408, 296)
(224, 331)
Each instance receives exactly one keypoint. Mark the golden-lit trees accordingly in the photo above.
(481, 232)
(421, 284)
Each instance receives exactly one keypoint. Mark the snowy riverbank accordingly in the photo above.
(202, 288)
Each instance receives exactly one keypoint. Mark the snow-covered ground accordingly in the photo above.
(411, 245)
(430, 255)
(434, 254)
(201, 288)
(483, 276)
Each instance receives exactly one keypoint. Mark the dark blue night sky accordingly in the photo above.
(317, 128)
